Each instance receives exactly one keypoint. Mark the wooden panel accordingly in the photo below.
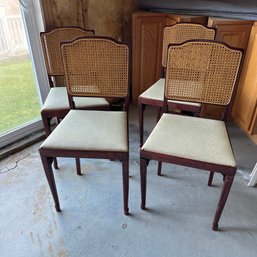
(244, 110)
(233, 32)
(146, 47)
(175, 18)
(236, 34)
(58, 13)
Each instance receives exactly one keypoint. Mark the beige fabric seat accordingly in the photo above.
(57, 99)
(156, 92)
(191, 138)
(87, 130)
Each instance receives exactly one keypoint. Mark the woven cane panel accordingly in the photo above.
(180, 33)
(51, 47)
(96, 67)
(203, 72)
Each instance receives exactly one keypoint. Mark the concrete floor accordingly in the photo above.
(178, 222)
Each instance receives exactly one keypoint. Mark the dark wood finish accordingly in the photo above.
(147, 34)
(228, 172)
(46, 161)
(58, 14)
(48, 154)
(210, 178)
(235, 33)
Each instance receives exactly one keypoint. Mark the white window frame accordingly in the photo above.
(33, 22)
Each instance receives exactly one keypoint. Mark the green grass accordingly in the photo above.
(19, 101)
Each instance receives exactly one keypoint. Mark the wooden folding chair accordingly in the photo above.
(93, 67)
(211, 69)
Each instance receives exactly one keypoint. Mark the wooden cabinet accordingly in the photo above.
(244, 110)
(147, 35)
(233, 32)
(236, 34)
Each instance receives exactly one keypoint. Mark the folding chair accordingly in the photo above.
(93, 67)
(211, 69)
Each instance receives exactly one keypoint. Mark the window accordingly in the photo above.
(23, 79)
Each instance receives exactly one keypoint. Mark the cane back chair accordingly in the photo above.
(211, 69)
(56, 103)
(153, 96)
(93, 67)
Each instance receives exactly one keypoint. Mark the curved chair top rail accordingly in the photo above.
(203, 71)
(181, 32)
(96, 66)
(51, 46)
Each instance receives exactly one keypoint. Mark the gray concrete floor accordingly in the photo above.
(92, 223)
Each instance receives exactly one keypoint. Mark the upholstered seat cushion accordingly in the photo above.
(57, 99)
(156, 92)
(191, 138)
(89, 130)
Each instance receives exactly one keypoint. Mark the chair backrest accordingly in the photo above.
(181, 32)
(97, 67)
(202, 71)
(51, 46)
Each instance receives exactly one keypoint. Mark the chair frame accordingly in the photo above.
(48, 155)
(227, 171)
(143, 102)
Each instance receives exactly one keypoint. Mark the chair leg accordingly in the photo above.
(46, 123)
(210, 178)
(78, 167)
(141, 108)
(125, 178)
(222, 201)
(50, 178)
(143, 170)
(159, 172)
(159, 113)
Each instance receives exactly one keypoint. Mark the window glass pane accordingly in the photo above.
(19, 103)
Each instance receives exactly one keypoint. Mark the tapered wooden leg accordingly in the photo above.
(50, 178)
(143, 170)
(159, 172)
(141, 108)
(46, 123)
(55, 163)
(159, 113)
(222, 201)
(78, 167)
(125, 178)
(210, 178)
